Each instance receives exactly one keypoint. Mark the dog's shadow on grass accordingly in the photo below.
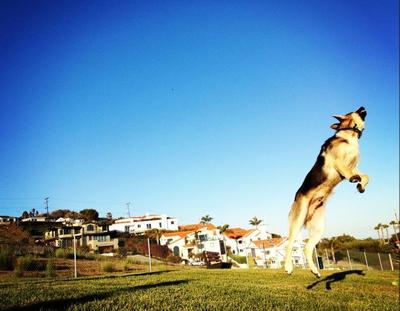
(335, 277)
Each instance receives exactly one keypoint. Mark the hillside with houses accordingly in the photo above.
(124, 236)
(163, 237)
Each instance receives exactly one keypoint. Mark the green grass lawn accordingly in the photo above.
(200, 289)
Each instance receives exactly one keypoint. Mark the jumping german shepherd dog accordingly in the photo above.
(336, 161)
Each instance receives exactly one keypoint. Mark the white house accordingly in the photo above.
(271, 253)
(140, 224)
(70, 221)
(35, 218)
(5, 220)
(194, 239)
(239, 240)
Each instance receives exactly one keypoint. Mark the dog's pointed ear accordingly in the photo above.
(362, 112)
(339, 117)
(335, 126)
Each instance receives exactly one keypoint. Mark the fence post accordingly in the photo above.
(366, 260)
(391, 262)
(327, 258)
(265, 259)
(148, 246)
(348, 256)
(333, 255)
(380, 261)
(75, 272)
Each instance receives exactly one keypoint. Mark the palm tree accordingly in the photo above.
(255, 221)
(223, 228)
(378, 228)
(385, 226)
(206, 219)
(394, 223)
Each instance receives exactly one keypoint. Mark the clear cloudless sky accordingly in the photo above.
(191, 108)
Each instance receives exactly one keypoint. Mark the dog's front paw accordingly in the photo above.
(355, 178)
(360, 188)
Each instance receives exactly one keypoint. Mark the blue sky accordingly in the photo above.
(191, 108)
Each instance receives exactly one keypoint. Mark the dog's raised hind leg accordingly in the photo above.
(296, 221)
(315, 227)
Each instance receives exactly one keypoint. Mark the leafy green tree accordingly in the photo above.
(89, 214)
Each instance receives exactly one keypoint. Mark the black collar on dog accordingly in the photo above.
(354, 129)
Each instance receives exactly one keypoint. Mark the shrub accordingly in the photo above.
(61, 253)
(126, 266)
(6, 259)
(50, 269)
(108, 267)
(24, 264)
(49, 252)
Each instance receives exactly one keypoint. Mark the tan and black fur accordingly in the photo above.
(336, 161)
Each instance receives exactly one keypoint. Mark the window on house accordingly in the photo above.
(101, 238)
(160, 224)
(148, 226)
(138, 226)
(240, 242)
(126, 228)
(203, 237)
(67, 231)
(172, 222)
(176, 251)
(90, 228)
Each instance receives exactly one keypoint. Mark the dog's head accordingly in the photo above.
(352, 121)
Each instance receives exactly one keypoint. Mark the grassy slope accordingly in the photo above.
(204, 290)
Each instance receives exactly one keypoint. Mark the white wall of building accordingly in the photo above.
(140, 224)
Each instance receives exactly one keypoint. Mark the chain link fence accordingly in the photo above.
(353, 259)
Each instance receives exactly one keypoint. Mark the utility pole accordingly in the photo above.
(46, 202)
(129, 212)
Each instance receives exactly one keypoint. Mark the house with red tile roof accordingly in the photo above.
(270, 253)
(193, 239)
(238, 240)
